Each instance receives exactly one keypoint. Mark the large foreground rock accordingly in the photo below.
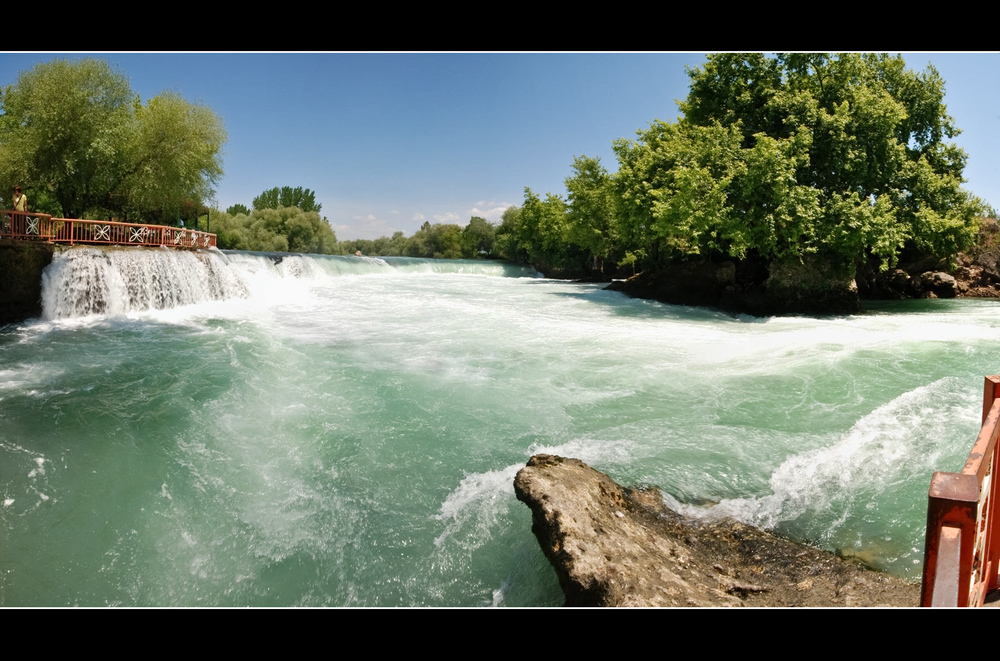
(612, 546)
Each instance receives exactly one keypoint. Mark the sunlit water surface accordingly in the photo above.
(218, 429)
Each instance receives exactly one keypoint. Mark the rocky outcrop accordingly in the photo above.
(21, 266)
(812, 285)
(612, 546)
(692, 283)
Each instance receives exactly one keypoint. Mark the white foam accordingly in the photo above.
(86, 281)
(480, 496)
(893, 443)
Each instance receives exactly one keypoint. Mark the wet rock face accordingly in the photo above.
(695, 283)
(613, 546)
(21, 266)
(812, 285)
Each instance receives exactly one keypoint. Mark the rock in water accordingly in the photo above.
(612, 546)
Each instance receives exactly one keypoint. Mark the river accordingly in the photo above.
(218, 429)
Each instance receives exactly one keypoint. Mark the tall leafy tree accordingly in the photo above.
(798, 154)
(844, 154)
(505, 239)
(439, 241)
(542, 230)
(172, 157)
(64, 128)
(75, 132)
(286, 229)
(477, 238)
(591, 209)
(286, 196)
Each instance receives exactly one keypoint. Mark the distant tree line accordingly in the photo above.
(287, 219)
(438, 241)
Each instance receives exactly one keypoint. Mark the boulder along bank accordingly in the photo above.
(816, 285)
(616, 546)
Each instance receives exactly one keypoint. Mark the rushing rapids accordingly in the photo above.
(110, 281)
(245, 429)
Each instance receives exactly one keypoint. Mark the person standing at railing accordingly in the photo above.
(20, 200)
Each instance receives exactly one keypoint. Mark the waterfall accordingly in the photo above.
(88, 281)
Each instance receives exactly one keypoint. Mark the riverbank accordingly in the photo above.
(813, 286)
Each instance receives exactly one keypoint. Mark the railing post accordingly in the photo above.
(991, 559)
(991, 390)
(952, 502)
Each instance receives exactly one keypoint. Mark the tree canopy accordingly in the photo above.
(776, 157)
(285, 229)
(286, 196)
(844, 154)
(76, 134)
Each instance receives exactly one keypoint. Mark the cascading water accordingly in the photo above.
(215, 428)
(86, 281)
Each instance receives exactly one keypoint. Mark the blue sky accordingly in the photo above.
(390, 140)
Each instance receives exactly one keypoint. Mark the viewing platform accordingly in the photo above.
(30, 226)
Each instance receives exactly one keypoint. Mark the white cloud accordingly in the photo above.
(491, 211)
(363, 227)
(418, 216)
(448, 217)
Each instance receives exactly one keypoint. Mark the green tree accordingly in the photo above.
(477, 238)
(505, 240)
(793, 155)
(286, 229)
(542, 230)
(842, 154)
(286, 196)
(172, 157)
(591, 211)
(75, 130)
(238, 209)
(437, 241)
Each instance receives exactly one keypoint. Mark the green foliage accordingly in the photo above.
(477, 238)
(238, 209)
(841, 154)
(439, 241)
(795, 155)
(63, 129)
(286, 229)
(383, 246)
(172, 158)
(591, 212)
(542, 230)
(286, 196)
(74, 134)
(505, 240)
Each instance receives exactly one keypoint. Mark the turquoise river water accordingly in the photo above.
(219, 429)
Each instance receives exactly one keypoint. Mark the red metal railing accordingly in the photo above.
(25, 226)
(963, 536)
(42, 227)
